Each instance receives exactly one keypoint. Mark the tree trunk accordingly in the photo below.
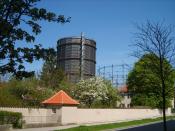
(163, 92)
(164, 107)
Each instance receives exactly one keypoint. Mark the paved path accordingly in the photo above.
(149, 127)
(153, 127)
(46, 128)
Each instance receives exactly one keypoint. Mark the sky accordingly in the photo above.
(111, 23)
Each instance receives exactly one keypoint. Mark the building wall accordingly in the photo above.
(125, 101)
(72, 115)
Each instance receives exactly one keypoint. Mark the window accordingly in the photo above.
(128, 105)
(128, 96)
(53, 110)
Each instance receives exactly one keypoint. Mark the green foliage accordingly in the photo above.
(26, 92)
(7, 99)
(54, 77)
(67, 86)
(13, 118)
(144, 100)
(113, 95)
(173, 110)
(145, 84)
(95, 92)
(30, 92)
(13, 14)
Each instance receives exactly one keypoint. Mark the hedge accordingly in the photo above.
(173, 110)
(14, 118)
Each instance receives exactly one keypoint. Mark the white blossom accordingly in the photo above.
(90, 90)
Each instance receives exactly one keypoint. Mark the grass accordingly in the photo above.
(115, 125)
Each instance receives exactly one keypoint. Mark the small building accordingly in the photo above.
(126, 97)
(58, 100)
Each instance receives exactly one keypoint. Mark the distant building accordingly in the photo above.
(77, 57)
(126, 97)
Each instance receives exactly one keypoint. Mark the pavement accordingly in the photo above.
(46, 128)
(155, 126)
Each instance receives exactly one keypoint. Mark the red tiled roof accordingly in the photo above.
(60, 98)
(123, 89)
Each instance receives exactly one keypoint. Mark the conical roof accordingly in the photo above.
(60, 98)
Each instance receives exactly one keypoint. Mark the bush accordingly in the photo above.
(7, 99)
(13, 118)
(23, 93)
(96, 93)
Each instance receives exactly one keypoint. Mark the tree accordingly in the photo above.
(54, 77)
(113, 95)
(157, 39)
(95, 91)
(23, 93)
(15, 15)
(144, 83)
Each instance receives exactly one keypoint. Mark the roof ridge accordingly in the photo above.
(52, 97)
(70, 97)
(61, 97)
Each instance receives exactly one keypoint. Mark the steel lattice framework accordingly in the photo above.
(117, 74)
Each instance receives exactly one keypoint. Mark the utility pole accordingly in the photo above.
(112, 75)
(82, 56)
(99, 74)
(174, 98)
(123, 73)
(104, 73)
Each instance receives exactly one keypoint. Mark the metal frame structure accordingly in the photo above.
(117, 74)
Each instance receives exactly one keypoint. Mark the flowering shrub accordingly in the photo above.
(93, 91)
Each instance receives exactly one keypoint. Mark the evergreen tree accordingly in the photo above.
(52, 76)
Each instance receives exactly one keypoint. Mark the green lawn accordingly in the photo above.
(115, 125)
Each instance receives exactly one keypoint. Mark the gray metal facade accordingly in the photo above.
(77, 57)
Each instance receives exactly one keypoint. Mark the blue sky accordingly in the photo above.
(109, 22)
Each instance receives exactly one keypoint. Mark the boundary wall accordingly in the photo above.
(72, 115)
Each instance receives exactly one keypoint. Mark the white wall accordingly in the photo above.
(82, 116)
(69, 115)
(73, 115)
(36, 115)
